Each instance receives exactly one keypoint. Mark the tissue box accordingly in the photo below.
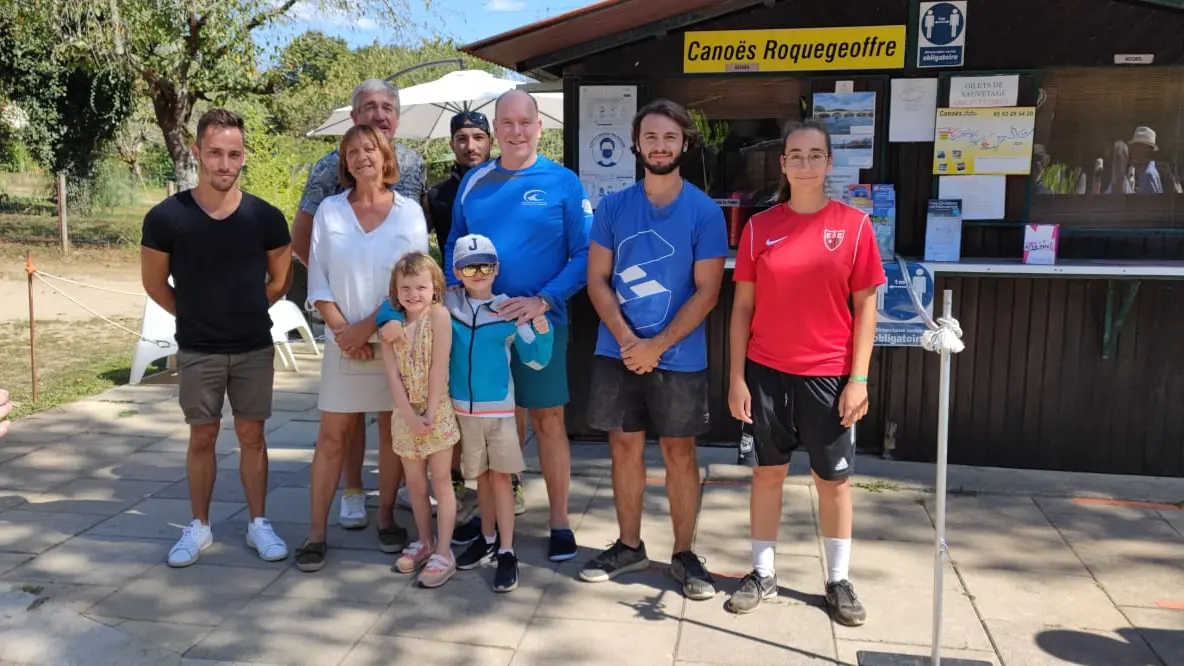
(1040, 244)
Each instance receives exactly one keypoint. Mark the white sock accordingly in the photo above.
(762, 557)
(838, 559)
(503, 551)
(489, 540)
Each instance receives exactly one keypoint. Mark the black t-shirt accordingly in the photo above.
(219, 270)
(440, 200)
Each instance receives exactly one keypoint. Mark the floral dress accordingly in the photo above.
(414, 363)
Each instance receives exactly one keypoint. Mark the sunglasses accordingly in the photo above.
(472, 269)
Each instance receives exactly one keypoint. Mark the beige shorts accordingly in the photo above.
(489, 444)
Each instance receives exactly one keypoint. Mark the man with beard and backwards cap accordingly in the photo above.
(655, 263)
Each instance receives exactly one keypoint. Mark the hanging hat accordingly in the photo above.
(1145, 136)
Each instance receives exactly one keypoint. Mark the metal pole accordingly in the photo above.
(62, 228)
(943, 432)
(32, 325)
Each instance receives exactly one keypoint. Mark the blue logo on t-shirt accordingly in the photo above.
(654, 255)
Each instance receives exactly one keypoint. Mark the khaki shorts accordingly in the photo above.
(489, 444)
(206, 379)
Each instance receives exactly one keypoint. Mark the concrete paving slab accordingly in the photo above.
(902, 564)
(1162, 629)
(897, 614)
(349, 575)
(143, 466)
(1042, 599)
(465, 610)
(1143, 585)
(651, 596)
(293, 434)
(94, 560)
(1033, 644)
(24, 531)
(290, 401)
(401, 651)
(289, 631)
(156, 518)
(777, 633)
(10, 561)
(889, 516)
(168, 635)
(279, 461)
(1175, 518)
(994, 547)
(74, 598)
(98, 496)
(228, 487)
(199, 594)
(582, 642)
(9, 451)
(849, 652)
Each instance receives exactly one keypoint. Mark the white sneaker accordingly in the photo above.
(404, 499)
(265, 541)
(194, 539)
(353, 512)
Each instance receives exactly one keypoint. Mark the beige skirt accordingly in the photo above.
(350, 386)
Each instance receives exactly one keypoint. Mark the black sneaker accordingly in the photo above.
(477, 554)
(688, 569)
(563, 545)
(506, 578)
(392, 539)
(617, 560)
(844, 605)
(468, 532)
(754, 588)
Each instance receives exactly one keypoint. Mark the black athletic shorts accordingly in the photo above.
(666, 402)
(788, 410)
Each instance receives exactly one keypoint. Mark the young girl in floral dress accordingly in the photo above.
(424, 424)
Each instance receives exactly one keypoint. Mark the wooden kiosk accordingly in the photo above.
(1074, 366)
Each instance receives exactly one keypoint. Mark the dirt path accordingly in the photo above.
(48, 305)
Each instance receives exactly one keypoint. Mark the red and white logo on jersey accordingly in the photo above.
(833, 238)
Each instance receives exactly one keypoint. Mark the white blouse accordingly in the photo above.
(352, 268)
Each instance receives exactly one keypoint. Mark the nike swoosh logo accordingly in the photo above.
(774, 241)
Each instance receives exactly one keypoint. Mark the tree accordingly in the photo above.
(74, 107)
(196, 50)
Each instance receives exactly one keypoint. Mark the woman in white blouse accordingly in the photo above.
(357, 237)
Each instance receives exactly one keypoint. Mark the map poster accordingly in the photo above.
(984, 141)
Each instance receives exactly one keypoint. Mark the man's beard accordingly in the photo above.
(662, 170)
(216, 181)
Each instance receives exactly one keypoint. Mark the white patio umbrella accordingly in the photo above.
(428, 107)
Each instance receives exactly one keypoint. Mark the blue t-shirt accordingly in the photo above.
(654, 255)
(538, 219)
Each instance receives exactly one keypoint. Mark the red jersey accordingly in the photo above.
(805, 268)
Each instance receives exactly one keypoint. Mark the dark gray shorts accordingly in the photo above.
(667, 403)
(206, 379)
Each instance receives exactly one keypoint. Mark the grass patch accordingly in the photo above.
(75, 360)
(877, 486)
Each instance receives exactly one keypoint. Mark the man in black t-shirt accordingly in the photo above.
(229, 255)
(470, 143)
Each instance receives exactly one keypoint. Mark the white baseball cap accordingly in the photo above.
(473, 249)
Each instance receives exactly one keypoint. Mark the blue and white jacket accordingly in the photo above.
(479, 378)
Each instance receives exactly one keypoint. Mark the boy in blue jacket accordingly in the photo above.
(482, 390)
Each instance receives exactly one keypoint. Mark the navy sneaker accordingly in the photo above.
(563, 545)
(506, 578)
(478, 554)
(467, 532)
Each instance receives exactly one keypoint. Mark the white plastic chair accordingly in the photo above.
(285, 317)
(157, 339)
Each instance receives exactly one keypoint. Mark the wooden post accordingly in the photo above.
(62, 229)
(32, 325)
(170, 188)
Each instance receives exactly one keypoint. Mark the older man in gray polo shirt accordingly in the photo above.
(375, 102)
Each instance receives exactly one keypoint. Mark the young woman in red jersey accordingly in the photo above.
(802, 329)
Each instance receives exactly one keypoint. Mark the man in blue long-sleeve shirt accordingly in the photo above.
(538, 216)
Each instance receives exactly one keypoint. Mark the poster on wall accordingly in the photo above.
(912, 110)
(941, 38)
(984, 141)
(980, 92)
(605, 159)
(851, 120)
(898, 324)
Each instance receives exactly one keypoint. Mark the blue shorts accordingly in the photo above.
(542, 389)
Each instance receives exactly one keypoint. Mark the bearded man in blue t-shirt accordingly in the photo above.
(537, 215)
(655, 264)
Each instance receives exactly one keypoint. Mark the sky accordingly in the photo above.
(465, 21)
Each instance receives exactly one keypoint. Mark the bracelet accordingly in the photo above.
(858, 379)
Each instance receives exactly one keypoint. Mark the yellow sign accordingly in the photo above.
(796, 50)
(984, 141)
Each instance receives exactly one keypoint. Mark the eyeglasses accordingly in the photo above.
(471, 269)
(797, 160)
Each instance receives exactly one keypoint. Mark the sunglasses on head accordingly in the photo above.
(471, 269)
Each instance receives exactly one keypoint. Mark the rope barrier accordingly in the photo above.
(89, 286)
(163, 344)
(945, 334)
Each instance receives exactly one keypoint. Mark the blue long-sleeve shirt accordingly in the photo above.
(538, 219)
